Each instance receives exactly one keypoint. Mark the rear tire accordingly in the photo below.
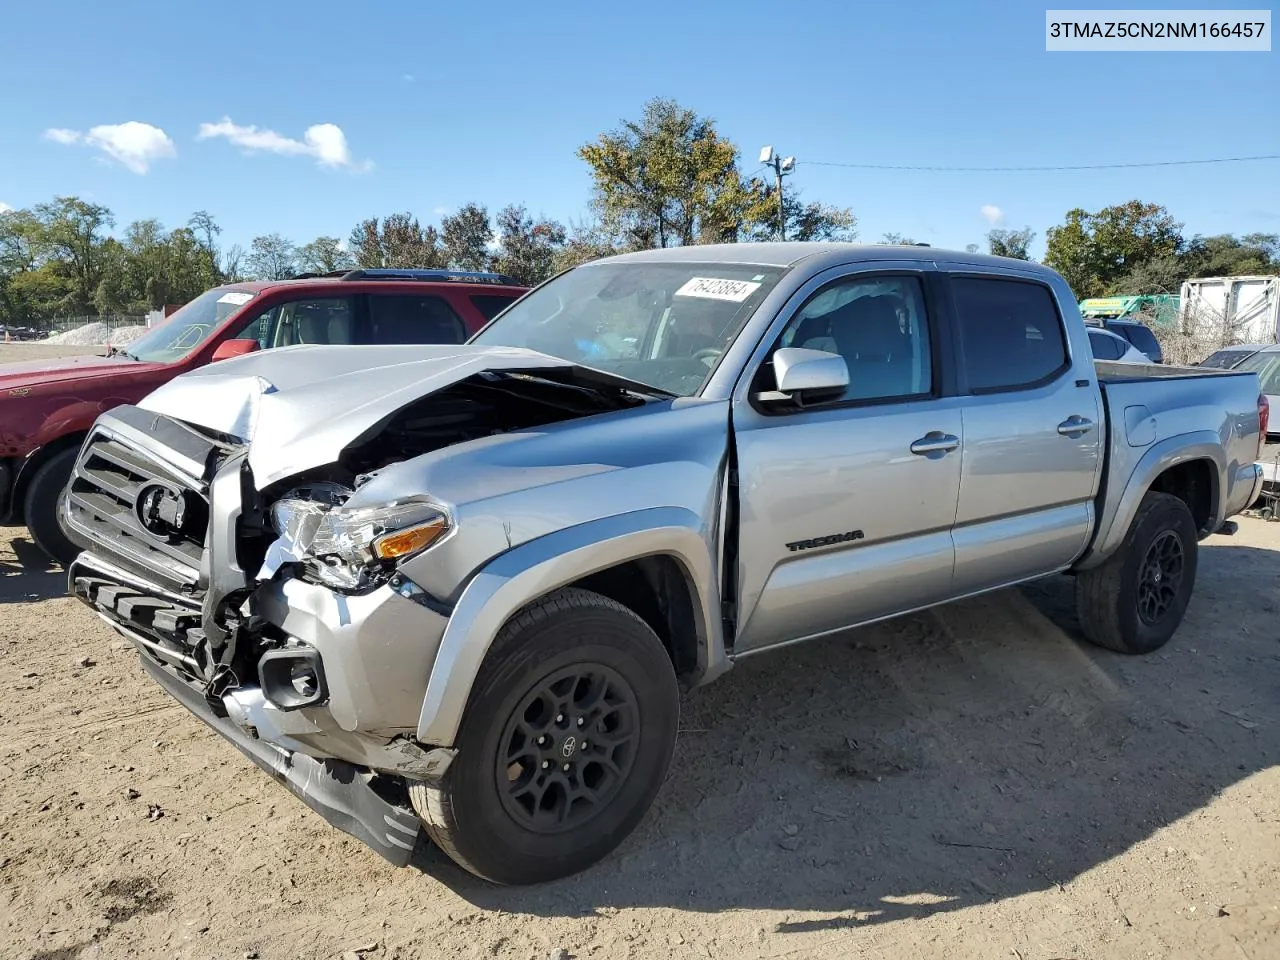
(42, 503)
(566, 740)
(1135, 601)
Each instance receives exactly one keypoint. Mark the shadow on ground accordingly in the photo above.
(961, 756)
(27, 574)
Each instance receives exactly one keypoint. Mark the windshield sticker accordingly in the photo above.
(239, 298)
(710, 288)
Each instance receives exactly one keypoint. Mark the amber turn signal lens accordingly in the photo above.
(402, 543)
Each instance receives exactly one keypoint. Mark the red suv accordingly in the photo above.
(49, 405)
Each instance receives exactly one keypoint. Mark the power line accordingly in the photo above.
(1083, 166)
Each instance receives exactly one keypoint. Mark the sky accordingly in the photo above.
(303, 119)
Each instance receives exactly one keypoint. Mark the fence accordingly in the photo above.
(117, 329)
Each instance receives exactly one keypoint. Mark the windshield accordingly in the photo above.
(189, 327)
(1267, 366)
(663, 325)
(1223, 359)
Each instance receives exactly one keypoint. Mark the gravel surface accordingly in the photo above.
(968, 783)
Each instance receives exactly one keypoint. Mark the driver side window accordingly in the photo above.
(260, 327)
(880, 326)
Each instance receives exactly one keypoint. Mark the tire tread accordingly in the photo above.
(434, 805)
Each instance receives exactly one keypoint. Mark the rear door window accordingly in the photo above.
(415, 318)
(491, 305)
(1010, 333)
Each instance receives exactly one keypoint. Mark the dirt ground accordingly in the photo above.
(17, 352)
(968, 783)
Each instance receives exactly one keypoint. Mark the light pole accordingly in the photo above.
(781, 167)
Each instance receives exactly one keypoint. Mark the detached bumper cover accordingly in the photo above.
(340, 792)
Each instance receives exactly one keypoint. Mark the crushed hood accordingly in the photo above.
(300, 407)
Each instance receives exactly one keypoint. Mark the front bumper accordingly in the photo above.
(354, 800)
(347, 757)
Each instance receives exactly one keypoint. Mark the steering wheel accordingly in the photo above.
(708, 354)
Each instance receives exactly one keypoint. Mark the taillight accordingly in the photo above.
(1264, 421)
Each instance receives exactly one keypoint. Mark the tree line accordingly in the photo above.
(667, 179)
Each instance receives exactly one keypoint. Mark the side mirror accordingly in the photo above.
(234, 348)
(807, 375)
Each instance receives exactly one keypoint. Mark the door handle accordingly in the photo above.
(934, 442)
(1075, 426)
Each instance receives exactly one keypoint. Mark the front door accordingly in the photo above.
(846, 507)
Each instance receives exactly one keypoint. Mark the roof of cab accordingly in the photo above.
(788, 254)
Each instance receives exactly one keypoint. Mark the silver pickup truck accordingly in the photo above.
(460, 589)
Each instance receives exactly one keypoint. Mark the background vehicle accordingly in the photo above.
(1266, 364)
(1228, 358)
(1106, 345)
(1218, 310)
(464, 588)
(1137, 334)
(50, 404)
(1161, 308)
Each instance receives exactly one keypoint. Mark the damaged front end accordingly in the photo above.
(262, 584)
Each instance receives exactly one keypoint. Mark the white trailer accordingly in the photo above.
(1221, 311)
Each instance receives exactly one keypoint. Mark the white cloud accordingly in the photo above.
(442, 211)
(134, 145)
(61, 135)
(4, 207)
(323, 141)
(992, 214)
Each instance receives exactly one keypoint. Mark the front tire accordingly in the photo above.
(1135, 601)
(41, 506)
(567, 738)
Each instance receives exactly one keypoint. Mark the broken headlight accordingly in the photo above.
(349, 547)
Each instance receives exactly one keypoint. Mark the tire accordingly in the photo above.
(44, 494)
(1127, 604)
(491, 813)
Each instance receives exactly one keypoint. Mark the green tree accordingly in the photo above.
(233, 260)
(1011, 243)
(804, 221)
(466, 236)
(324, 255)
(897, 239)
(75, 232)
(1096, 251)
(271, 257)
(667, 179)
(586, 242)
(529, 249)
(397, 241)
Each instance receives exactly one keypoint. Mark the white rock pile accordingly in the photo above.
(95, 333)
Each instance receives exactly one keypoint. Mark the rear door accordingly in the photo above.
(1033, 433)
(846, 506)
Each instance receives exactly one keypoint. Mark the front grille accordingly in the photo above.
(130, 503)
(104, 507)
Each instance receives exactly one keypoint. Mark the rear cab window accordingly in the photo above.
(1011, 334)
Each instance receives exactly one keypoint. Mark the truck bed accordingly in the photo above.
(1111, 371)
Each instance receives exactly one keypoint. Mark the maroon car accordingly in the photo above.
(49, 405)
